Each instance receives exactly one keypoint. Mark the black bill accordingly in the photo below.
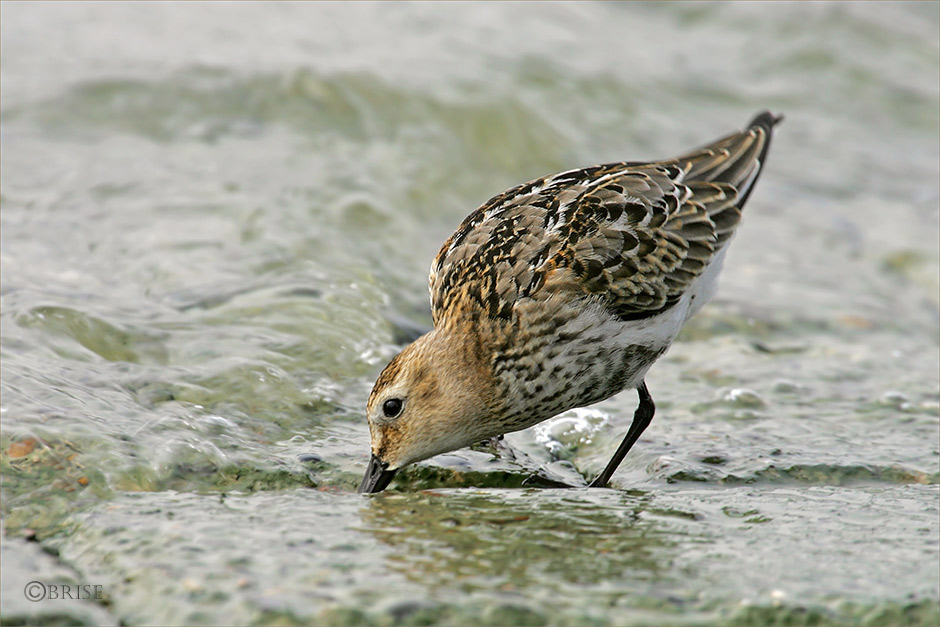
(377, 476)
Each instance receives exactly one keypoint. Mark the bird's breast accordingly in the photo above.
(573, 356)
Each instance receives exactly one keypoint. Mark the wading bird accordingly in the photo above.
(560, 293)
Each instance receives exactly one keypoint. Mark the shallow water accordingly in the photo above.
(216, 227)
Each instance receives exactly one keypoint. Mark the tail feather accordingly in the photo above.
(736, 159)
(765, 122)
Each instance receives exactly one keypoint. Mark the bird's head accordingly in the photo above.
(433, 397)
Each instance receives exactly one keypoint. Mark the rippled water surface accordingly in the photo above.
(217, 221)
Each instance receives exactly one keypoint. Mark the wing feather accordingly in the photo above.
(631, 235)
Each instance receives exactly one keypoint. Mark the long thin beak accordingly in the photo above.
(377, 476)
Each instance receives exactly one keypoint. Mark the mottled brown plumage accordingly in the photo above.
(559, 293)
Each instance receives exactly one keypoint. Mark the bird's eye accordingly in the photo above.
(392, 407)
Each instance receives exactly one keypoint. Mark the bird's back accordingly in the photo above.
(631, 236)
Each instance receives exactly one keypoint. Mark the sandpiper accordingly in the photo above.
(559, 293)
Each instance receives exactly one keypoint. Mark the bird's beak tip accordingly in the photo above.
(377, 476)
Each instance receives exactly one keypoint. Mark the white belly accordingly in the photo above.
(593, 356)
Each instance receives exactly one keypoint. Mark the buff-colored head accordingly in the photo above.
(432, 398)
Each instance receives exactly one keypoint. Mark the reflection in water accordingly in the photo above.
(554, 538)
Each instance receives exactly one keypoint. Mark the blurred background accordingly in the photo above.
(216, 223)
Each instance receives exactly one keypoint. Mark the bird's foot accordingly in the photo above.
(598, 483)
(499, 447)
(541, 481)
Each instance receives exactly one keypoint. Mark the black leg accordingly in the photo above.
(641, 420)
